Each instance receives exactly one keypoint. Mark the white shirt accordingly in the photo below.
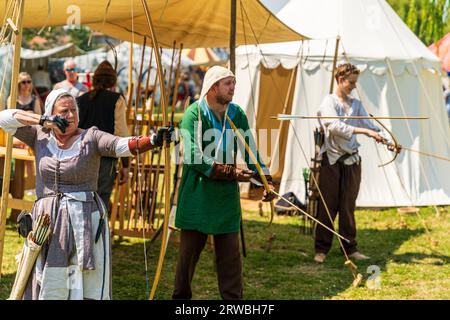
(41, 79)
(339, 133)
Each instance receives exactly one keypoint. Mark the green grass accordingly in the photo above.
(411, 266)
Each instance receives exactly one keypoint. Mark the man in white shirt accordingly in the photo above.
(71, 83)
(340, 172)
(41, 80)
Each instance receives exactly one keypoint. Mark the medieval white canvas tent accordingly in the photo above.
(399, 77)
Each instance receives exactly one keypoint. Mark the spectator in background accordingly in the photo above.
(26, 99)
(105, 110)
(42, 83)
(183, 91)
(71, 83)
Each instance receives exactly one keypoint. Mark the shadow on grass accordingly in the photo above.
(6, 284)
(282, 270)
(12, 246)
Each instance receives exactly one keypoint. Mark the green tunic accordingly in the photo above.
(207, 205)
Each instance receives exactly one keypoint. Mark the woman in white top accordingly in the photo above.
(340, 171)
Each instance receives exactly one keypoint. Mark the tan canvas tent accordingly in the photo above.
(195, 23)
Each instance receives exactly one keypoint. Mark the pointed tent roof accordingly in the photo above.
(369, 29)
(202, 56)
(195, 23)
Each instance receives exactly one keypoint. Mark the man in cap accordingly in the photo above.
(209, 199)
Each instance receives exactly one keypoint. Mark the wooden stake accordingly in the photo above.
(147, 82)
(166, 155)
(336, 49)
(280, 126)
(7, 168)
(233, 36)
(176, 83)
(170, 73)
(130, 82)
(138, 90)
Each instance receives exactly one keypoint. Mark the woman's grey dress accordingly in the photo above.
(71, 265)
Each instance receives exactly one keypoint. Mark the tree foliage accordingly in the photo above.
(428, 19)
(57, 36)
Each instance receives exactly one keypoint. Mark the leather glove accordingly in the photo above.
(60, 122)
(267, 196)
(230, 173)
(164, 133)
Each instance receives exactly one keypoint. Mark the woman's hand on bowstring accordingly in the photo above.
(54, 122)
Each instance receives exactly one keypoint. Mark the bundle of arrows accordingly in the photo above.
(41, 229)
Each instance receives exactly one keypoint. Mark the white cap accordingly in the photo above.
(213, 75)
(53, 97)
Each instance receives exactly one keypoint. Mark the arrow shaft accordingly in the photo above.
(426, 154)
(284, 117)
(311, 217)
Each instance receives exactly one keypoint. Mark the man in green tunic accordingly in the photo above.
(209, 198)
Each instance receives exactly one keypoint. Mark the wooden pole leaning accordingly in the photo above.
(13, 93)
(176, 83)
(233, 10)
(147, 82)
(336, 51)
(285, 106)
(130, 82)
(166, 154)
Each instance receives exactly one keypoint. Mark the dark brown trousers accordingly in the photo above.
(228, 263)
(339, 184)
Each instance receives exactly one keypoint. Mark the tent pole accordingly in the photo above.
(280, 126)
(130, 81)
(166, 153)
(233, 36)
(336, 49)
(7, 168)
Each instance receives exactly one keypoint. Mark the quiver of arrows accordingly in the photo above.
(31, 249)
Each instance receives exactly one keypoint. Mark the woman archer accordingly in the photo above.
(76, 261)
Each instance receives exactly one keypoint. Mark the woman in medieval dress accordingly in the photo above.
(75, 263)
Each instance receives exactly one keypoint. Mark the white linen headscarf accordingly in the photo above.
(53, 96)
(213, 75)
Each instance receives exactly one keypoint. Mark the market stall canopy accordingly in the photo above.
(195, 23)
(202, 56)
(67, 50)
